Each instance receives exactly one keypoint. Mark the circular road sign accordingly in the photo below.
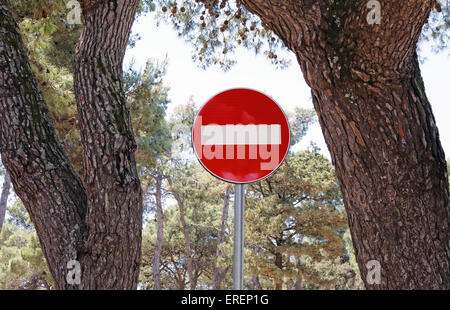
(241, 136)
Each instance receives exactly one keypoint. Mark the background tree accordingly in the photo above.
(148, 98)
(371, 103)
(180, 182)
(220, 273)
(295, 223)
(22, 263)
(51, 43)
(70, 207)
(295, 215)
(4, 195)
(201, 196)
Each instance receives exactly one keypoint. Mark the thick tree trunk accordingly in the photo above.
(41, 173)
(114, 216)
(4, 199)
(187, 237)
(159, 235)
(380, 130)
(99, 226)
(219, 274)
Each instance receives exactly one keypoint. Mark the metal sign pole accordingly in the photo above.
(238, 260)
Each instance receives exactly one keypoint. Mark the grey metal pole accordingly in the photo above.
(238, 260)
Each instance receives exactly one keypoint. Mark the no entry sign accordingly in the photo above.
(241, 136)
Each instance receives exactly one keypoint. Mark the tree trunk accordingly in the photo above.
(180, 274)
(159, 235)
(256, 285)
(99, 226)
(279, 263)
(380, 130)
(4, 199)
(187, 238)
(40, 171)
(114, 215)
(219, 274)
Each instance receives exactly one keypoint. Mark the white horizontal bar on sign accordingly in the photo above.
(241, 134)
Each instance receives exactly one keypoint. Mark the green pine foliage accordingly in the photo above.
(296, 222)
(216, 28)
(203, 197)
(51, 44)
(436, 30)
(22, 263)
(147, 97)
(295, 228)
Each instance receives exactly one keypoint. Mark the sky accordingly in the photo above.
(287, 87)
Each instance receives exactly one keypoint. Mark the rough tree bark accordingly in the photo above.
(159, 234)
(379, 127)
(40, 171)
(114, 215)
(100, 225)
(219, 273)
(4, 199)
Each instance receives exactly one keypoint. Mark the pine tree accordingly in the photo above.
(23, 264)
(368, 92)
(53, 119)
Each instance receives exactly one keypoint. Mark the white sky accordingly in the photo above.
(287, 87)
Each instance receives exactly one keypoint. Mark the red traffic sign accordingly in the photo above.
(241, 136)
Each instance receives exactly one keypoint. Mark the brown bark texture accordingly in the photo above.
(114, 214)
(378, 124)
(40, 170)
(97, 223)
